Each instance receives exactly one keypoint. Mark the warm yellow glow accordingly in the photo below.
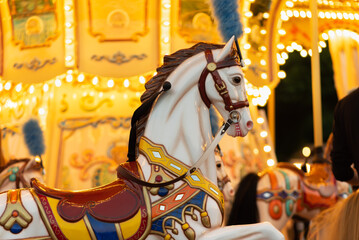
(247, 30)
(284, 55)
(1, 87)
(142, 80)
(263, 62)
(281, 32)
(296, 13)
(270, 162)
(58, 83)
(289, 49)
(265, 15)
(110, 83)
(263, 31)
(322, 44)
(280, 46)
(126, 83)
(306, 151)
(321, 15)
(68, 58)
(289, 4)
(247, 46)
(31, 89)
(267, 148)
(81, 77)
(45, 88)
(340, 15)
(42, 111)
(7, 86)
(309, 14)
(18, 87)
(95, 81)
(302, 14)
(282, 74)
(310, 52)
(263, 134)
(325, 36)
(248, 14)
(264, 76)
(69, 33)
(262, 48)
(69, 78)
(260, 120)
(255, 151)
(303, 53)
(247, 61)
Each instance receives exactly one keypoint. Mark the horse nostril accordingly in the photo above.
(249, 125)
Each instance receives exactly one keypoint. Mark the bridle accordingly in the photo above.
(220, 85)
(231, 107)
(19, 174)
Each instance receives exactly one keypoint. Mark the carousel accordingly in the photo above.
(80, 78)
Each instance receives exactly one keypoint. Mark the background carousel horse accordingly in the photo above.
(170, 192)
(280, 193)
(17, 173)
(224, 182)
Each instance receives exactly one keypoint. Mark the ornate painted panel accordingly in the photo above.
(90, 149)
(196, 23)
(34, 23)
(112, 20)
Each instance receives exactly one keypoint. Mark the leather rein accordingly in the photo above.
(221, 88)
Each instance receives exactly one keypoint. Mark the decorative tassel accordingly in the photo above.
(205, 220)
(188, 231)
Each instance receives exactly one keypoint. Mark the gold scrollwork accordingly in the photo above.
(64, 104)
(88, 103)
(17, 112)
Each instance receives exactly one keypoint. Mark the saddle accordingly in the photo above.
(115, 202)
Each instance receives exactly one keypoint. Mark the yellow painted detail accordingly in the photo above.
(167, 237)
(76, 230)
(185, 226)
(204, 214)
(131, 226)
(162, 158)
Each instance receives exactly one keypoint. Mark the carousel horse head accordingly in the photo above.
(17, 173)
(280, 193)
(224, 182)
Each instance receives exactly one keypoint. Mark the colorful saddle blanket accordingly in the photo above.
(119, 210)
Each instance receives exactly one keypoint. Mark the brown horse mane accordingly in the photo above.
(171, 62)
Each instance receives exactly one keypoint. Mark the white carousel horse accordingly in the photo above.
(224, 183)
(17, 173)
(166, 193)
(280, 193)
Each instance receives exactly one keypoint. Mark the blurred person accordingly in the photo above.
(345, 152)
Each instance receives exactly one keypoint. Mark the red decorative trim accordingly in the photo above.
(50, 216)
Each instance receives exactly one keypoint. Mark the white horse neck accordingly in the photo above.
(180, 120)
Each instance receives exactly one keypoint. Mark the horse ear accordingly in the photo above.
(226, 50)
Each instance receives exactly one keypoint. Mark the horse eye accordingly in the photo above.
(236, 80)
(218, 165)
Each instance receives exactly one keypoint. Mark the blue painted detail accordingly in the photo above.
(12, 178)
(197, 200)
(163, 191)
(265, 195)
(288, 205)
(16, 228)
(103, 230)
(283, 194)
